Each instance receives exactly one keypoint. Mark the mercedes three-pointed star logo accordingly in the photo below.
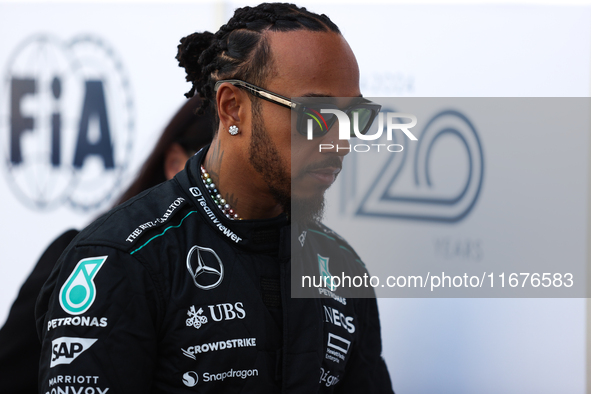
(203, 271)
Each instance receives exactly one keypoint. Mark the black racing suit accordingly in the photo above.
(164, 294)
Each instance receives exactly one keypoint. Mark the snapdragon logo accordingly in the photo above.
(243, 374)
(190, 379)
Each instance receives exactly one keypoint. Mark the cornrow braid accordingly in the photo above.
(239, 48)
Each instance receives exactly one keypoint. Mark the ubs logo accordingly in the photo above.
(66, 120)
(205, 267)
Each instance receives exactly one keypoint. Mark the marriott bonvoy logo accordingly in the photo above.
(359, 127)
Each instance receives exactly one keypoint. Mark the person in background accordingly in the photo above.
(185, 134)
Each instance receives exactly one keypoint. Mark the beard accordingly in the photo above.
(265, 159)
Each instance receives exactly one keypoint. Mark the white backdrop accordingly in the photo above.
(431, 345)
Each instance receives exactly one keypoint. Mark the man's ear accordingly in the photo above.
(232, 106)
(175, 159)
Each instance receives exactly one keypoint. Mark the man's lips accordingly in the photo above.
(325, 175)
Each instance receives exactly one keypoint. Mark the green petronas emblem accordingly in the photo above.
(325, 273)
(78, 292)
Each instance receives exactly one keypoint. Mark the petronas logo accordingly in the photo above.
(325, 273)
(78, 293)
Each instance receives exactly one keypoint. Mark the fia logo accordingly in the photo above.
(66, 122)
(64, 350)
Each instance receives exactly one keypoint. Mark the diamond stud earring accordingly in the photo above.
(233, 130)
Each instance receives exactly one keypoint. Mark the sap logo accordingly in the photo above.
(67, 122)
(338, 319)
(227, 311)
(66, 349)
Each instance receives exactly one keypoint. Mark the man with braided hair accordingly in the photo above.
(186, 288)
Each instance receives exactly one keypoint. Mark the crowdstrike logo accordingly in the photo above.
(78, 292)
(192, 351)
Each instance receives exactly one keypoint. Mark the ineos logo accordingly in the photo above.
(205, 267)
(66, 120)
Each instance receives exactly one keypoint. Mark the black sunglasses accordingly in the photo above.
(361, 112)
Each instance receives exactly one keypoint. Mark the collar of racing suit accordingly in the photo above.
(261, 236)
